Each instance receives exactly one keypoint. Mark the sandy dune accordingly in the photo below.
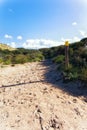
(33, 98)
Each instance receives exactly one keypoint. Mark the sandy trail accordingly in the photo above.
(31, 99)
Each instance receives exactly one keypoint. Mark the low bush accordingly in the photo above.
(20, 59)
(59, 59)
(83, 76)
(70, 73)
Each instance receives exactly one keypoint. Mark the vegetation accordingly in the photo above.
(19, 56)
(77, 69)
(4, 46)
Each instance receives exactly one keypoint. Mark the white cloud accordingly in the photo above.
(74, 39)
(8, 44)
(44, 43)
(83, 33)
(66, 39)
(13, 44)
(8, 36)
(78, 1)
(83, 1)
(40, 43)
(74, 23)
(19, 37)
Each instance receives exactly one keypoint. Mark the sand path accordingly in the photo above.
(31, 99)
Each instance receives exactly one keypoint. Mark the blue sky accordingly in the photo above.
(42, 23)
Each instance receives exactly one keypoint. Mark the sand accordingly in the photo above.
(32, 97)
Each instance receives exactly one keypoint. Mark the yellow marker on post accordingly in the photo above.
(66, 43)
(66, 54)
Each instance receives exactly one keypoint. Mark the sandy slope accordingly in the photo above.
(31, 99)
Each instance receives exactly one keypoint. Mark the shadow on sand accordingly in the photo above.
(54, 77)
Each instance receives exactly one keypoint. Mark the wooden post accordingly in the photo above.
(66, 54)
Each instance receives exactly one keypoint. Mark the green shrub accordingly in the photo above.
(71, 73)
(59, 59)
(7, 59)
(83, 76)
(19, 59)
(1, 60)
(7, 62)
